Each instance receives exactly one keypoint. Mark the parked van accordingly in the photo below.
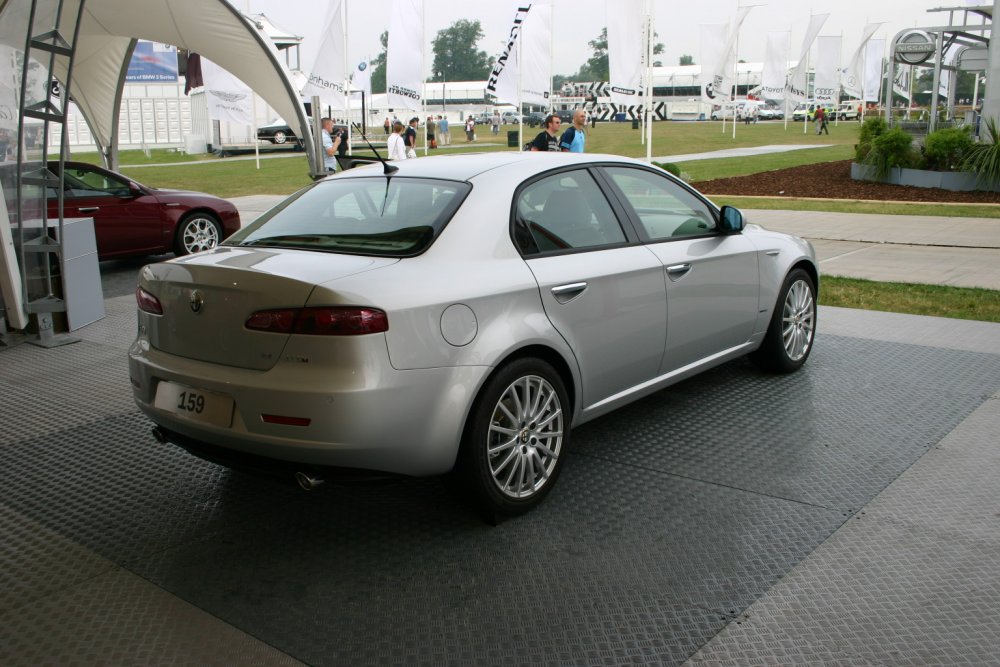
(808, 111)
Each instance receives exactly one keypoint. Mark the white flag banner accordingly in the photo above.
(326, 78)
(853, 76)
(901, 80)
(795, 88)
(713, 44)
(949, 59)
(772, 82)
(826, 87)
(626, 55)
(536, 73)
(404, 79)
(361, 79)
(725, 71)
(229, 99)
(873, 69)
(503, 79)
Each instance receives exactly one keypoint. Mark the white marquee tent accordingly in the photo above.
(109, 30)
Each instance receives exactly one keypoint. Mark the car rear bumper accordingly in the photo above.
(405, 422)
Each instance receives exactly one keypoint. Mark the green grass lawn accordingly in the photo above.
(962, 303)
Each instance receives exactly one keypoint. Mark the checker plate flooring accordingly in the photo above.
(672, 516)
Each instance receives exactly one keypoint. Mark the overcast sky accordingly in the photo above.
(578, 21)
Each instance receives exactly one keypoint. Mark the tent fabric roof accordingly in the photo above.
(212, 28)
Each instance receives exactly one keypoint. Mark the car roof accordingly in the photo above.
(464, 167)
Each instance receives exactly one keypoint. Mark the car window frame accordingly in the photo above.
(634, 218)
(631, 236)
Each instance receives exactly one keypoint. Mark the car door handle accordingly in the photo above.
(568, 292)
(90, 209)
(677, 271)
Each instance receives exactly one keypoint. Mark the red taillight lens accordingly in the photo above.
(339, 321)
(147, 302)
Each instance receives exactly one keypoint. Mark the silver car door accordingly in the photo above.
(712, 285)
(604, 296)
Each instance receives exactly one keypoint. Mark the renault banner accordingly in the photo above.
(626, 53)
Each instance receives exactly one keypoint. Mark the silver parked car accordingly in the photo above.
(461, 313)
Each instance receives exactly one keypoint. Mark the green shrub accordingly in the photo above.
(984, 157)
(670, 167)
(893, 148)
(870, 129)
(947, 149)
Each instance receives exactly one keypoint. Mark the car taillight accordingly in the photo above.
(147, 302)
(326, 321)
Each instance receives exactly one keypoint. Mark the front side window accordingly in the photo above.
(664, 209)
(566, 211)
(84, 182)
(386, 217)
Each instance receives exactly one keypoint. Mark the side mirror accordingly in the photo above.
(730, 220)
(134, 189)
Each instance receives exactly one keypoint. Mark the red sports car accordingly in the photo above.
(134, 219)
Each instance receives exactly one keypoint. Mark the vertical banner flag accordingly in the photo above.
(795, 88)
(725, 75)
(229, 99)
(404, 78)
(826, 88)
(853, 74)
(536, 49)
(361, 79)
(503, 79)
(901, 80)
(713, 44)
(626, 56)
(874, 53)
(326, 79)
(772, 81)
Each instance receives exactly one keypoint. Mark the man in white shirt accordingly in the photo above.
(330, 145)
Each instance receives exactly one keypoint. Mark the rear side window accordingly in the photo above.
(386, 217)
(566, 211)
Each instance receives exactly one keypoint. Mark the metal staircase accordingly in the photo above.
(53, 28)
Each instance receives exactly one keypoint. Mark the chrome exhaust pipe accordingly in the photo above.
(160, 435)
(308, 482)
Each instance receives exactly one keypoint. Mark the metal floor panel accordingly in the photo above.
(672, 516)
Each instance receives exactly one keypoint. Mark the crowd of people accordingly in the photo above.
(401, 141)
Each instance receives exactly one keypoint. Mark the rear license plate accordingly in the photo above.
(197, 404)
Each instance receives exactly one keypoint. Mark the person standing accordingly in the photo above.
(410, 138)
(431, 132)
(548, 139)
(330, 144)
(470, 128)
(574, 139)
(443, 132)
(387, 125)
(396, 145)
(821, 121)
(496, 123)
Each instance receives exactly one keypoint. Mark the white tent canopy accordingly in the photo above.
(110, 28)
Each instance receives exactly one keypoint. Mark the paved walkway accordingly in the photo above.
(739, 152)
(959, 252)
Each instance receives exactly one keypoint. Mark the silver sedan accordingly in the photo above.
(459, 313)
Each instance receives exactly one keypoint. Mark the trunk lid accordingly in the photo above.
(207, 298)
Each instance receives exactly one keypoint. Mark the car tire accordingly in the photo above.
(515, 438)
(197, 232)
(792, 329)
(280, 137)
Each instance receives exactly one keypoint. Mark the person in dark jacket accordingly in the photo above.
(548, 139)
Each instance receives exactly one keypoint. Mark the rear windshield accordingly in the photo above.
(387, 217)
